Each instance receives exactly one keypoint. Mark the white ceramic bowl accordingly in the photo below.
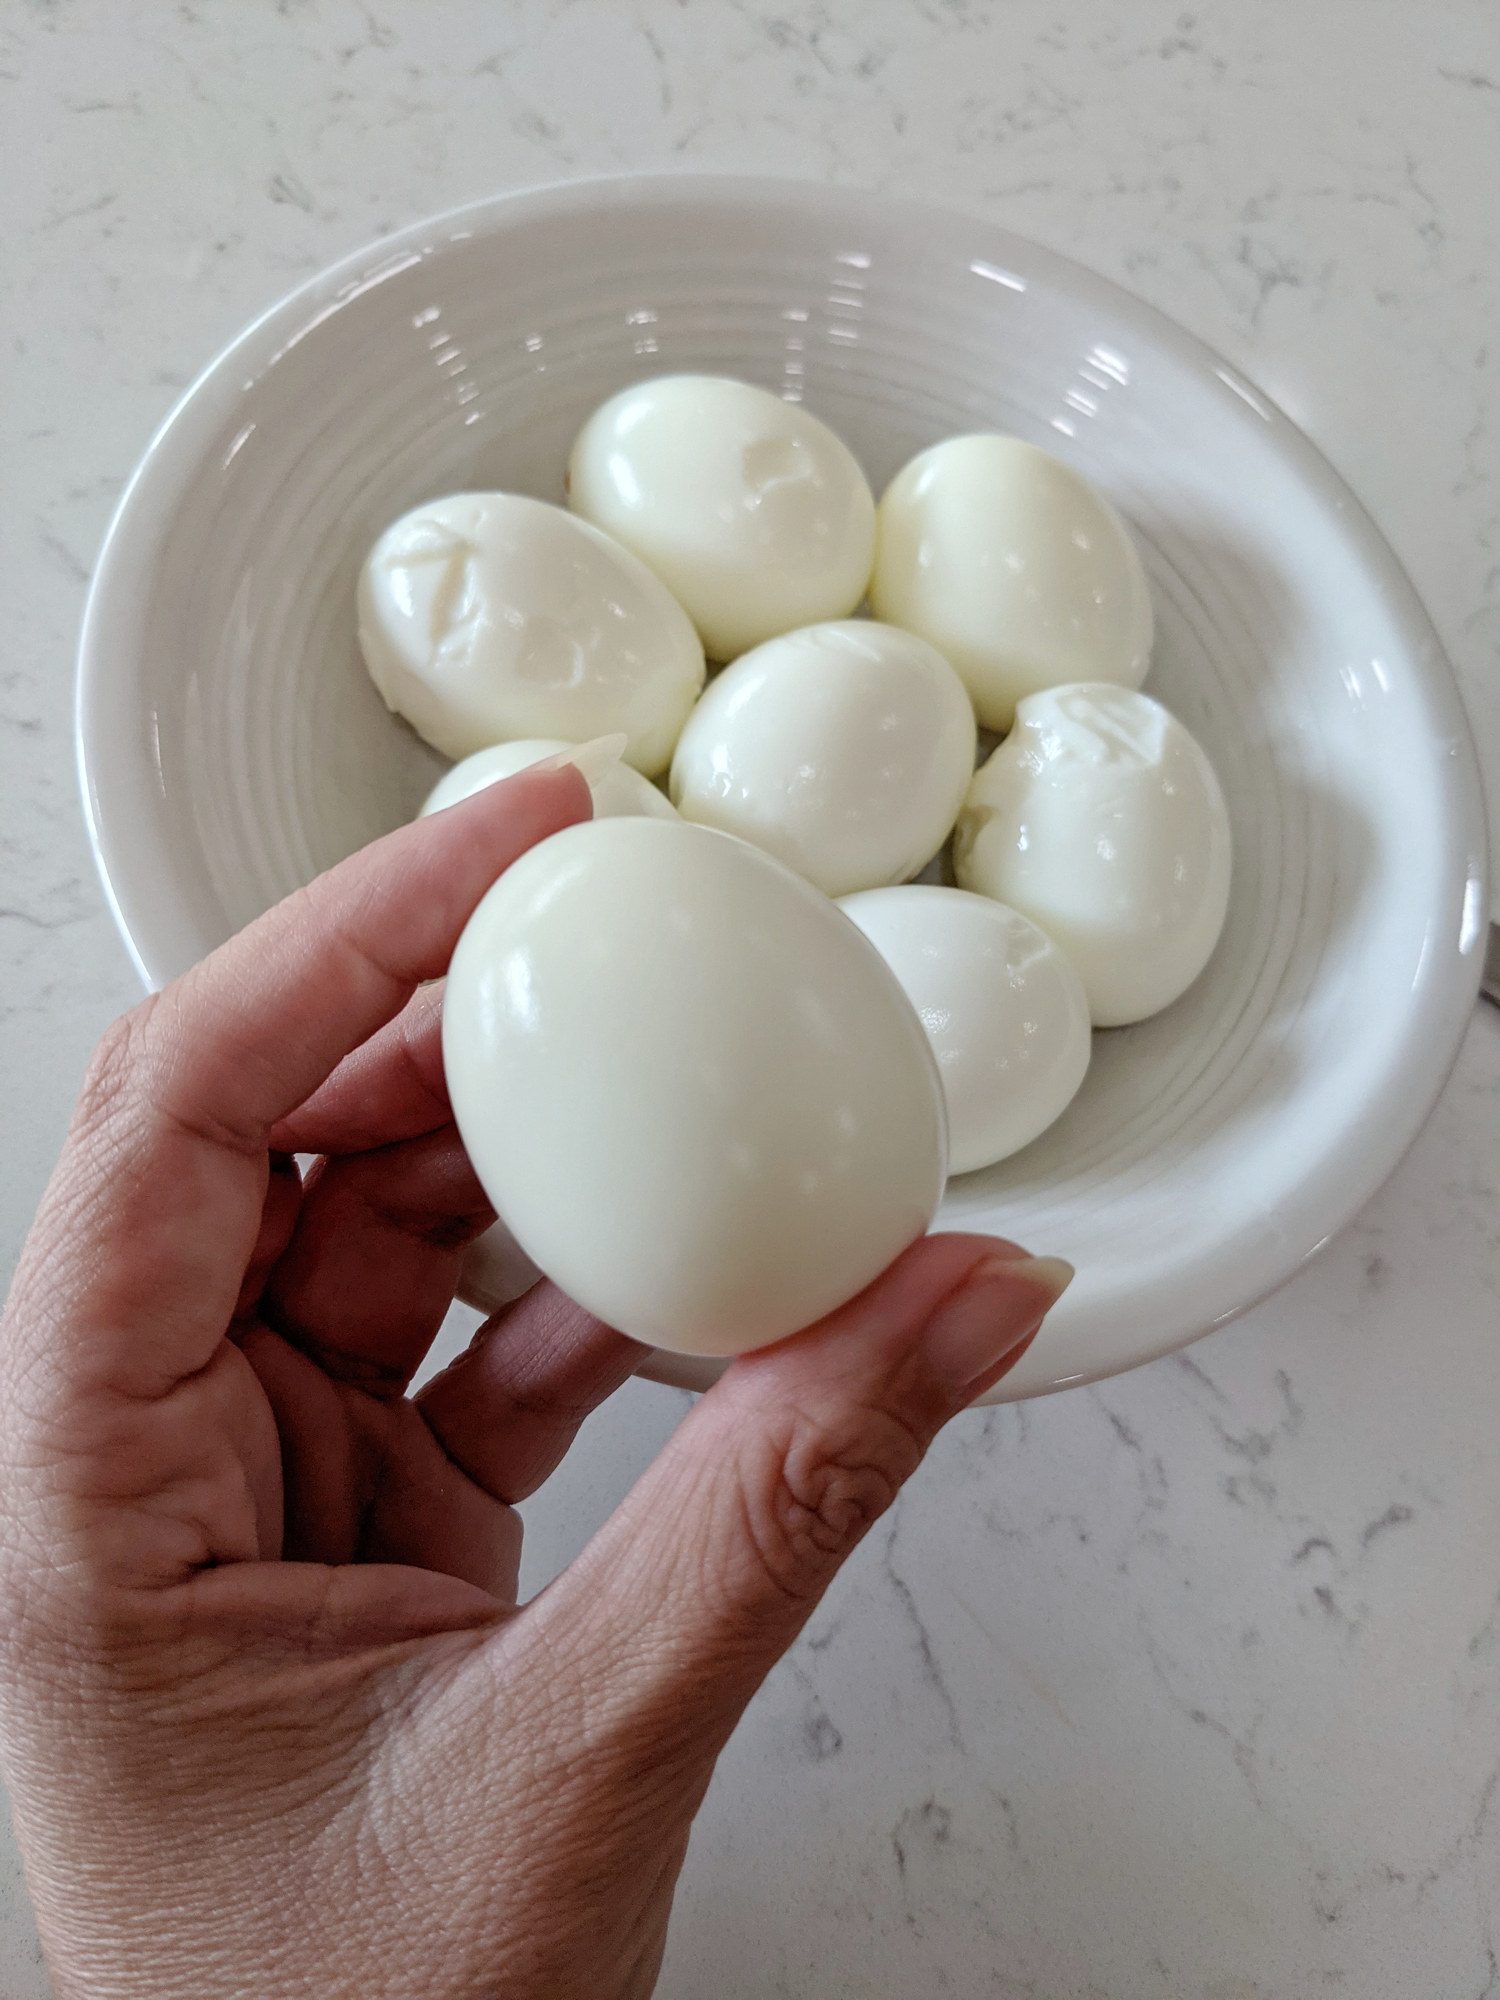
(232, 745)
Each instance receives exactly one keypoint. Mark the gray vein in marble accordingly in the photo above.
(930, 1823)
(819, 1735)
(901, 1590)
(286, 187)
(58, 549)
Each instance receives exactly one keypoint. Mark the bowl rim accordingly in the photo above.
(104, 714)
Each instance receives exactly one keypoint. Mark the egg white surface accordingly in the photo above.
(485, 617)
(1004, 1011)
(845, 750)
(692, 1089)
(1101, 819)
(751, 511)
(620, 792)
(1015, 567)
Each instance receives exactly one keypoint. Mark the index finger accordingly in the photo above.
(391, 1087)
(244, 1037)
(142, 1240)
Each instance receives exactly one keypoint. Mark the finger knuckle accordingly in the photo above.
(113, 1070)
(821, 1488)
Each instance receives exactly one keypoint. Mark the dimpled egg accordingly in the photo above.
(484, 617)
(755, 516)
(1101, 819)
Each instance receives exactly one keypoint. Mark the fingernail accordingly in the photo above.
(1001, 1304)
(594, 759)
(1050, 1274)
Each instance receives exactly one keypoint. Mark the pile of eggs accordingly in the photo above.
(714, 1052)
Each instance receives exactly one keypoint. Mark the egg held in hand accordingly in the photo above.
(755, 516)
(692, 1089)
(488, 616)
(1003, 1008)
(619, 791)
(845, 750)
(1015, 568)
(1101, 819)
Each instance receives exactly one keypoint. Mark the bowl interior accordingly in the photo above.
(233, 745)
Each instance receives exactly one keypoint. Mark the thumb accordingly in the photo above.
(689, 1594)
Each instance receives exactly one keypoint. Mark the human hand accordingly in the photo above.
(273, 1723)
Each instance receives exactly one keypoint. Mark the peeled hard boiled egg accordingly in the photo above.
(1015, 568)
(755, 516)
(694, 1093)
(620, 791)
(1100, 818)
(845, 750)
(1003, 1009)
(488, 616)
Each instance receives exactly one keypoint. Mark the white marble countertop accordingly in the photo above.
(1186, 1687)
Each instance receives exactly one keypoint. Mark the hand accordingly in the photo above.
(273, 1723)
